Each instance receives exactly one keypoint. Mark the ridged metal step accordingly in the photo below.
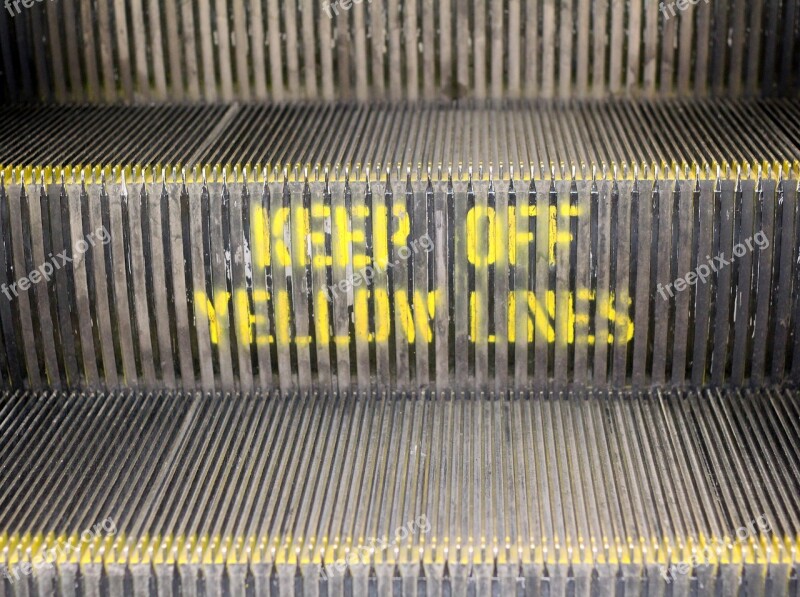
(525, 135)
(646, 492)
(212, 50)
(239, 284)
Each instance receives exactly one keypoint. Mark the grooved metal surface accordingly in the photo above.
(521, 134)
(224, 50)
(451, 298)
(408, 285)
(556, 486)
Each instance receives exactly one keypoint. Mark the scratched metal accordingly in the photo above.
(217, 50)
(495, 493)
(338, 285)
(381, 134)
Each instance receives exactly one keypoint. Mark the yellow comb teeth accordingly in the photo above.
(346, 172)
(501, 140)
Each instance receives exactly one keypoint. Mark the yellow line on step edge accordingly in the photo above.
(204, 549)
(357, 172)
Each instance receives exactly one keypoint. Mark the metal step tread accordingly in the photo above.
(661, 483)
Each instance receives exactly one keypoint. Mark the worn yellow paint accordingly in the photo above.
(480, 254)
(416, 315)
(208, 308)
(260, 238)
(301, 173)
